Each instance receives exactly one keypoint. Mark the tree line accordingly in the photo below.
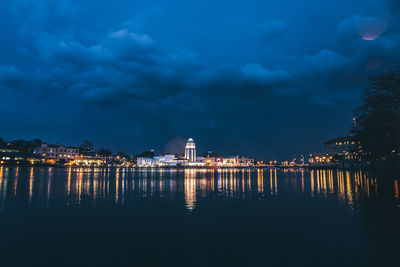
(378, 118)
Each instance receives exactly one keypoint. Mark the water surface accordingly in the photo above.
(228, 217)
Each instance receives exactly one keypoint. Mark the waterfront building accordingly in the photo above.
(339, 144)
(198, 163)
(92, 160)
(13, 157)
(213, 161)
(245, 162)
(342, 152)
(182, 162)
(230, 162)
(209, 161)
(7, 150)
(200, 159)
(56, 152)
(190, 151)
(146, 162)
(321, 159)
(235, 161)
(166, 160)
(343, 148)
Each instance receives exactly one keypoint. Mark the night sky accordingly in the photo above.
(267, 79)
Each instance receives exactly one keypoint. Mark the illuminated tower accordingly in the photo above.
(190, 150)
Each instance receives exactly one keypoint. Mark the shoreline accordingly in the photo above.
(203, 167)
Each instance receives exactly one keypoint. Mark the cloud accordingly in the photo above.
(52, 16)
(131, 38)
(257, 72)
(121, 65)
(320, 100)
(273, 28)
(325, 60)
(11, 77)
(114, 67)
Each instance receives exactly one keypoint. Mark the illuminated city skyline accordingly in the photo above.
(266, 81)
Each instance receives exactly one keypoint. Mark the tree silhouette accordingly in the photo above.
(146, 154)
(86, 147)
(36, 142)
(105, 152)
(3, 144)
(378, 118)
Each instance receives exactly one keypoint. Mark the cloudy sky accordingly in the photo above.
(267, 79)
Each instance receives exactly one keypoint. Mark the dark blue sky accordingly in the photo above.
(262, 78)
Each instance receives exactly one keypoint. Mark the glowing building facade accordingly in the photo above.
(190, 150)
(56, 152)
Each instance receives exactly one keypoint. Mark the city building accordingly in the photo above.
(200, 159)
(245, 162)
(7, 150)
(89, 161)
(213, 161)
(13, 157)
(341, 152)
(190, 151)
(166, 160)
(235, 161)
(343, 149)
(230, 162)
(56, 152)
(321, 159)
(346, 146)
(146, 162)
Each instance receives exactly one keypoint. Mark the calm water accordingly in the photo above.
(112, 217)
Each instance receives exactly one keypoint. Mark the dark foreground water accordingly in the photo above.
(117, 217)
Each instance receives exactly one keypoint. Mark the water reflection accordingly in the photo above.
(30, 184)
(190, 188)
(396, 192)
(75, 187)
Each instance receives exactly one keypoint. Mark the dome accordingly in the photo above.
(190, 143)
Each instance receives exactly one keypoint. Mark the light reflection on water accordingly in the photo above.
(75, 187)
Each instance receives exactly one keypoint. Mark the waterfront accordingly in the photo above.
(198, 216)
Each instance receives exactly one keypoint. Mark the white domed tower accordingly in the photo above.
(190, 150)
